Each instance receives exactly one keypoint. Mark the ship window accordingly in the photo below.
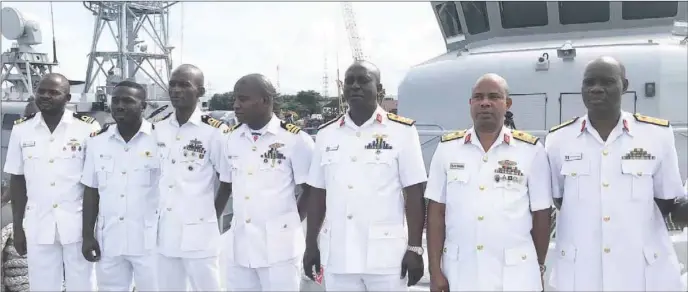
(8, 121)
(449, 18)
(574, 12)
(648, 9)
(475, 13)
(518, 14)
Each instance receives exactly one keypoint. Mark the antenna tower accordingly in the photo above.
(352, 31)
(325, 80)
(277, 81)
(125, 22)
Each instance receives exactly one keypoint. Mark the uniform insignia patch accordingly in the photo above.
(564, 124)
(330, 122)
(194, 148)
(378, 144)
(102, 130)
(24, 119)
(651, 120)
(525, 137)
(84, 118)
(229, 130)
(211, 121)
(400, 119)
(508, 173)
(291, 128)
(273, 155)
(147, 154)
(638, 154)
(453, 136)
(72, 145)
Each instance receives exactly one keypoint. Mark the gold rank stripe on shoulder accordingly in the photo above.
(525, 137)
(84, 118)
(291, 128)
(330, 122)
(564, 124)
(651, 120)
(229, 130)
(24, 119)
(103, 130)
(453, 136)
(211, 121)
(400, 119)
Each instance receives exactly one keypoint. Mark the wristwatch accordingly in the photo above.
(417, 249)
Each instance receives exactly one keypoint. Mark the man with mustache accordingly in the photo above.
(369, 162)
(267, 158)
(121, 173)
(45, 158)
(189, 147)
(613, 176)
(490, 201)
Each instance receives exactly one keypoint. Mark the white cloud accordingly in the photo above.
(231, 39)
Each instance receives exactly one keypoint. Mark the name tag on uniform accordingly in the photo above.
(332, 148)
(28, 144)
(573, 156)
(456, 166)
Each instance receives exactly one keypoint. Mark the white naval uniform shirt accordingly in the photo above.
(610, 233)
(489, 197)
(126, 175)
(266, 226)
(189, 161)
(51, 164)
(364, 170)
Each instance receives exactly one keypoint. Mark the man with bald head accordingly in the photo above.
(45, 157)
(366, 169)
(189, 146)
(611, 170)
(490, 202)
(266, 159)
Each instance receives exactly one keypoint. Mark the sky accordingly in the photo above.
(230, 39)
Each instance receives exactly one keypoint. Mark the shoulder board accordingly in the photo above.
(103, 130)
(651, 120)
(163, 118)
(453, 136)
(84, 118)
(525, 137)
(211, 121)
(291, 128)
(564, 124)
(229, 130)
(330, 122)
(24, 119)
(400, 119)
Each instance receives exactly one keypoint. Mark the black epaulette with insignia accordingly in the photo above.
(291, 128)
(103, 130)
(525, 137)
(84, 118)
(163, 118)
(453, 136)
(330, 122)
(25, 118)
(651, 120)
(215, 123)
(400, 119)
(229, 130)
(564, 124)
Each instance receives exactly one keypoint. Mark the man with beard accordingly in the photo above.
(189, 146)
(490, 201)
(369, 162)
(611, 170)
(121, 173)
(45, 158)
(267, 159)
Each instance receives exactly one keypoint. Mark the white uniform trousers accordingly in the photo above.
(364, 282)
(203, 273)
(116, 273)
(283, 276)
(50, 264)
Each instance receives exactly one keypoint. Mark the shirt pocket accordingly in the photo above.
(521, 269)
(330, 163)
(386, 246)
(638, 175)
(382, 167)
(31, 158)
(145, 171)
(104, 171)
(576, 174)
(285, 239)
(457, 184)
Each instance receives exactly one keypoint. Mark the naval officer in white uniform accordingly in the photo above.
(189, 146)
(611, 170)
(490, 202)
(367, 168)
(45, 157)
(267, 159)
(121, 173)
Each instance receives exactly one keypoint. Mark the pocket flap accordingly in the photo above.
(288, 221)
(451, 251)
(575, 168)
(566, 252)
(200, 220)
(651, 255)
(638, 168)
(105, 165)
(520, 254)
(329, 158)
(458, 176)
(385, 157)
(386, 231)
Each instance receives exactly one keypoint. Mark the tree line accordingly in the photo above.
(304, 103)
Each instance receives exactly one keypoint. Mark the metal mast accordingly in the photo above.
(124, 22)
(325, 80)
(352, 31)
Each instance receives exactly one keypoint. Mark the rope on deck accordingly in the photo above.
(14, 267)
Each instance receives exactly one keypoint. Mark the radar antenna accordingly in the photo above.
(22, 66)
(132, 55)
(352, 31)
